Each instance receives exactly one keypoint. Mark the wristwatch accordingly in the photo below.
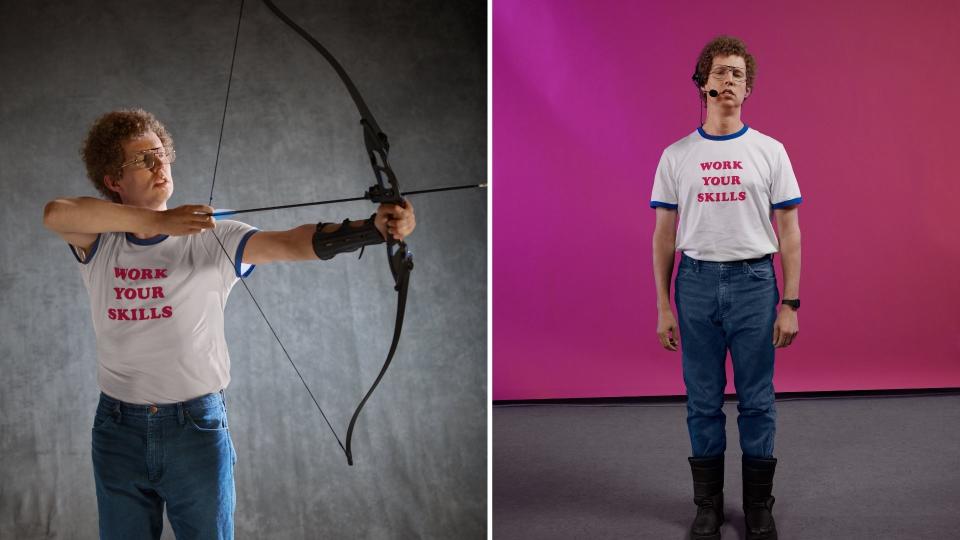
(795, 303)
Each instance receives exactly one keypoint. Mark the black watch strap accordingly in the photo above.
(794, 303)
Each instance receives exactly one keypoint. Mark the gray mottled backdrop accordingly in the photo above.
(291, 135)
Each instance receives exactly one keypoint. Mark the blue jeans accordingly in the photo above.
(720, 306)
(179, 454)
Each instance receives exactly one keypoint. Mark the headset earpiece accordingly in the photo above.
(696, 76)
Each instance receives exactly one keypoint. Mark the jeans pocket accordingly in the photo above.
(208, 419)
(101, 419)
(761, 271)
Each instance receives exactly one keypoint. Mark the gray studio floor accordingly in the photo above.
(853, 468)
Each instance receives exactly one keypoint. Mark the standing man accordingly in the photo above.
(723, 181)
(158, 281)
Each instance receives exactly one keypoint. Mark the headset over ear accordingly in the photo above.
(703, 95)
(696, 77)
(699, 83)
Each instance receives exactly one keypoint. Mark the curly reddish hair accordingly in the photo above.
(102, 150)
(724, 46)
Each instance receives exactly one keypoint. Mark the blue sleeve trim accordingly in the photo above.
(791, 202)
(93, 250)
(243, 270)
(654, 204)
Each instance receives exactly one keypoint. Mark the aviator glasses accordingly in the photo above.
(148, 159)
(720, 73)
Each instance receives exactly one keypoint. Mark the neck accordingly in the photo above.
(159, 207)
(722, 122)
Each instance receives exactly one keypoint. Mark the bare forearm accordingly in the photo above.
(298, 245)
(88, 215)
(790, 261)
(664, 250)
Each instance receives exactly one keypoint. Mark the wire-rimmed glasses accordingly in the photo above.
(720, 73)
(148, 159)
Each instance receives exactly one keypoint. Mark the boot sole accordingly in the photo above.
(768, 536)
(715, 536)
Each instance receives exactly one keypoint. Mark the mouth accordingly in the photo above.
(728, 92)
(161, 182)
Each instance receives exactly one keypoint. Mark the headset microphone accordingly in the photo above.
(714, 93)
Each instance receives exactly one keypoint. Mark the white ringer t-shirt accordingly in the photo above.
(157, 307)
(725, 189)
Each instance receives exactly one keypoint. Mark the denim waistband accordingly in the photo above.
(168, 409)
(767, 257)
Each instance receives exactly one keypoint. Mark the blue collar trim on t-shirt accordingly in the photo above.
(146, 241)
(706, 135)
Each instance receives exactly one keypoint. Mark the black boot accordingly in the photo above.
(757, 498)
(708, 496)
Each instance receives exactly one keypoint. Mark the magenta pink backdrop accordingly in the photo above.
(863, 94)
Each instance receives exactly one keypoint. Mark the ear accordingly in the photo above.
(747, 93)
(112, 183)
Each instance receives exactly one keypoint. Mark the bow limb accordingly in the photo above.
(385, 191)
(398, 326)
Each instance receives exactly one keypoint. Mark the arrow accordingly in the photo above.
(223, 213)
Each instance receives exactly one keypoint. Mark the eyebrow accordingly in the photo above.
(148, 150)
(726, 66)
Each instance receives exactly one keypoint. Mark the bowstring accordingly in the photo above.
(216, 164)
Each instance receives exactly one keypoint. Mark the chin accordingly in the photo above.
(161, 199)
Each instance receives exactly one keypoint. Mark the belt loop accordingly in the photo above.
(118, 412)
(180, 413)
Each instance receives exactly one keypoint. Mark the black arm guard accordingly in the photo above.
(345, 239)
